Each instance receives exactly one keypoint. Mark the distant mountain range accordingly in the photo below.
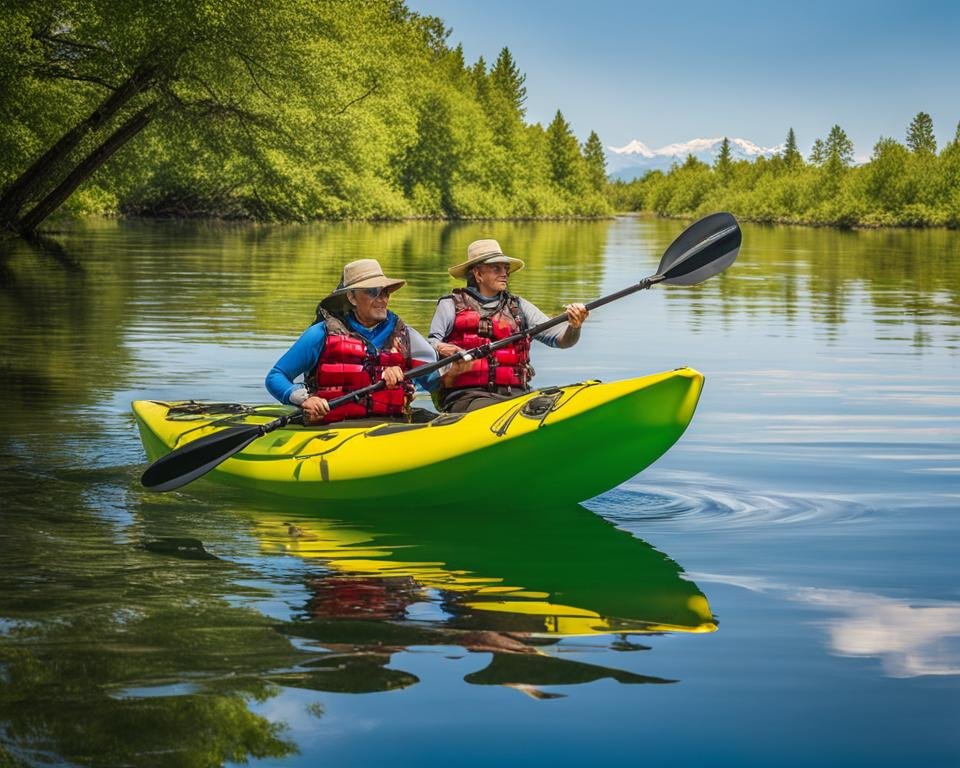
(636, 158)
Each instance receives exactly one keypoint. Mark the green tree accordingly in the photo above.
(791, 155)
(431, 162)
(887, 176)
(920, 136)
(596, 162)
(508, 81)
(838, 149)
(564, 155)
(818, 153)
(724, 162)
(236, 67)
(481, 82)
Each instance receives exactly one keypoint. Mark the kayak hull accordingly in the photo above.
(559, 444)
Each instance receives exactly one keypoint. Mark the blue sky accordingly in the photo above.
(666, 72)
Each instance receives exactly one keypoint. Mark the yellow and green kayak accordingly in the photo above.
(560, 444)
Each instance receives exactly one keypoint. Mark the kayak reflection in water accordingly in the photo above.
(361, 621)
(354, 341)
(515, 587)
(484, 311)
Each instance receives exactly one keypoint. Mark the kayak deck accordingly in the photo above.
(555, 444)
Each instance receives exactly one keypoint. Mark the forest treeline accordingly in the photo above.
(286, 110)
(903, 184)
(275, 110)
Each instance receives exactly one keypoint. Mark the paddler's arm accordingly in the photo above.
(563, 335)
(421, 353)
(442, 326)
(296, 361)
(440, 329)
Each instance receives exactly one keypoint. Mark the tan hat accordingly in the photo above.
(363, 273)
(484, 252)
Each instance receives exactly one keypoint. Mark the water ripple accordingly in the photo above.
(702, 501)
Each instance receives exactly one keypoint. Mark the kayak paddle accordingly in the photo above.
(702, 250)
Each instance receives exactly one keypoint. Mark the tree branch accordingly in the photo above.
(22, 188)
(86, 168)
(357, 100)
(249, 63)
(50, 39)
(62, 73)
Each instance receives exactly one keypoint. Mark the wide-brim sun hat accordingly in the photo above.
(363, 273)
(484, 252)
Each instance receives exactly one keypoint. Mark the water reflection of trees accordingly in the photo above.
(909, 277)
(113, 655)
(80, 322)
(62, 319)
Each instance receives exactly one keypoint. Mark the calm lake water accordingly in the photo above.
(780, 589)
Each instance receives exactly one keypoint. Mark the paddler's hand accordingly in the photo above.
(446, 350)
(392, 375)
(450, 372)
(314, 409)
(576, 314)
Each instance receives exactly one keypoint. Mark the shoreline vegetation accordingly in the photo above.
(362, 110)
(901, 185)
(271, 111)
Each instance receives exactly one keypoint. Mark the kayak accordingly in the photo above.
(557, 444)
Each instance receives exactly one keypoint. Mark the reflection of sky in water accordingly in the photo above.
(910, 640)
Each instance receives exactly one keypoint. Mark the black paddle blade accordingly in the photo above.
(190, 461)
(704, 249)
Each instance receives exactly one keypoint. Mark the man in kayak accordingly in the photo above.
(354, 341)
(484, 311)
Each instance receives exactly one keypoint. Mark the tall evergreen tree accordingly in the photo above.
(481, 84)
(838, 148)
(818, 152)
(724, 162)
(564, 154)
(596, 162)
(791, 155)
(455, 64)
(920, 136)
(508, 81)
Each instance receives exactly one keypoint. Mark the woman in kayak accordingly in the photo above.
(355, 341)
(484, 311)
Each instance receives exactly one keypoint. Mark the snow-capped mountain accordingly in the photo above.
(636, 158)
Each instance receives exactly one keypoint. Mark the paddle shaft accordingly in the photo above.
(484, 350)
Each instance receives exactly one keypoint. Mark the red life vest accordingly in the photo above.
(349, 362)
(508, 367)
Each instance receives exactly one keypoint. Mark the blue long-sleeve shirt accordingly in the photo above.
(282, 383)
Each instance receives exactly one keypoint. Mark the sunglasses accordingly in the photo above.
(498, 267)
(374, 293)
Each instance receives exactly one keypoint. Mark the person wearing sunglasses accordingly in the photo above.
(354, 341)
(484, 311)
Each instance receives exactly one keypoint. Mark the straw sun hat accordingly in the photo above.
(484, 252)
(363, 273)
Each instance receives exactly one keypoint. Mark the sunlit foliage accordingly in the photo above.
(277, 110)
(900, 185)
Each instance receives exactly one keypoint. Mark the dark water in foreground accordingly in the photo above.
(780, 589)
